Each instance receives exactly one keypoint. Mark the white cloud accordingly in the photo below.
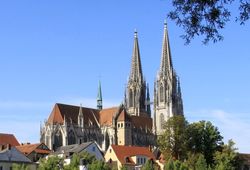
(231, 125)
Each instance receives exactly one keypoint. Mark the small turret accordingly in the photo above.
(80, 117)
(99, 97)
(148, 108)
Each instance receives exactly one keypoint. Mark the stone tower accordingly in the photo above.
(136, 87)
(167, 93)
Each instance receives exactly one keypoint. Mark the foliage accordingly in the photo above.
(20, 167)
(202, 137)
(53, 162)
(169, 165)
(201, 163)
(228, 158)
(150, 165)
(206, 17)
(171, 141)
(98, 165)
(75, 161)
(124, 168)
(175, 165)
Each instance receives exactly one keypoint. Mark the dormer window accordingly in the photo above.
(127, 159)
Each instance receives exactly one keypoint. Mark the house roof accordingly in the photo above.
(8, 139)
(75, 148)
(123, 152)
(245, 157)
(29, 148)
(13, 155)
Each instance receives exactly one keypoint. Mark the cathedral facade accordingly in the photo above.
(127, 124)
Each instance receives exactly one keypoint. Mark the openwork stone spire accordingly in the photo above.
(166, 61)
(136, 68)
(136, 87)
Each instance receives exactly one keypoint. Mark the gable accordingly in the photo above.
(124, 152)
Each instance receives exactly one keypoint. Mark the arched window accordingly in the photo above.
(161, 93)
(131, 101)
(57, 139)
(107, 143)
(71, 138)
(162, 120)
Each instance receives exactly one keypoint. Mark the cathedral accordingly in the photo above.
(127, 124)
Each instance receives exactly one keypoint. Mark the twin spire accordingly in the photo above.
(136, 68)
(166, 61)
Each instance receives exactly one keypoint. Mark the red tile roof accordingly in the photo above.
(142, 122)
(106, 115)
(123, 116)
(29, 148)
(96, 117)
(8, 139)
(70, 113)
(123, 152)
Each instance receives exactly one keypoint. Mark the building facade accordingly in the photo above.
(128, 124)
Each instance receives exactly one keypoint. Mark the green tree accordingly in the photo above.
(201, 163)
(150, 165)
(88, 159)
(171, 142)
(228, 158)
(169, 165)
(183, 166)
(202, 137)
(98, 165)
(124, 168)
(205, 17)
(52, 163)
(20, 167)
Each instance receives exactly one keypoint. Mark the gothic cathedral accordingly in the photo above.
(127, 124)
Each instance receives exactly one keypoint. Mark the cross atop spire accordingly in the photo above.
(166, 61)
(136, 68)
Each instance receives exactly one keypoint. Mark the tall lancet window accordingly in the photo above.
(162, 121)
(131, 99)
(161, 93)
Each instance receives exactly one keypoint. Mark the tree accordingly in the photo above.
(75, 160)
(52, 163)
(150, 165)
(201, 163)
(98, 165)
(202, 137)
(175, 165)
(20, 167)
(169, 165)
(206, 17)
(228, 158)
(171, 141)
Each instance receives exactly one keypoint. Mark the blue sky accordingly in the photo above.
(56, 51)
